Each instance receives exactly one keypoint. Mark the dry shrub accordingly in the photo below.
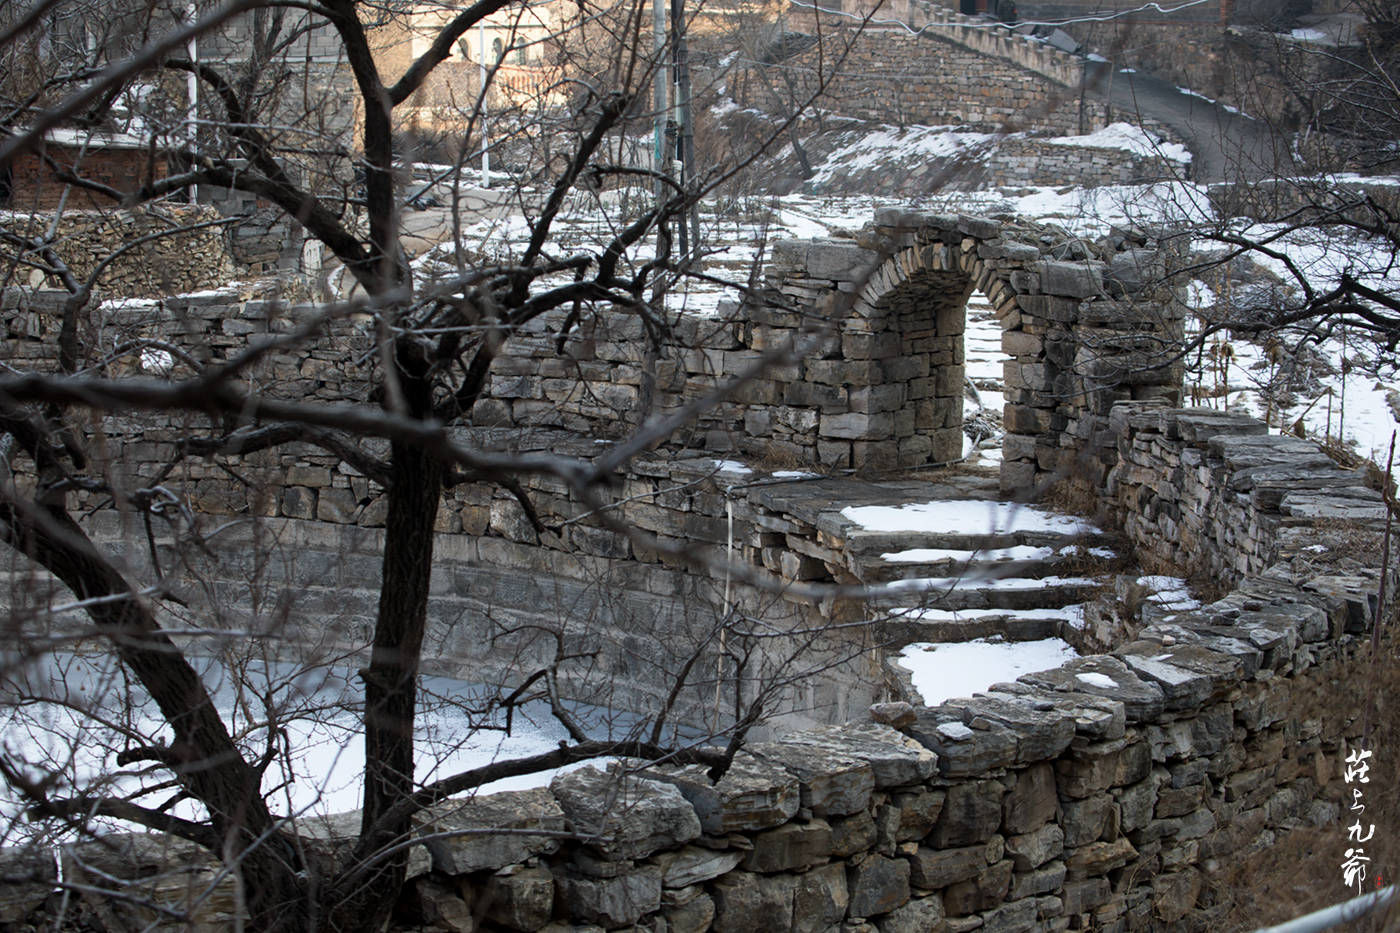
(1302, 871)
(1072, 495)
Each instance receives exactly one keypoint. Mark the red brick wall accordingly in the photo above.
(34, 186)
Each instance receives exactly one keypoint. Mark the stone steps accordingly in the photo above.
(942, 625)
(868, 543)
(956, 584)
(1019, 561)
(973, 593)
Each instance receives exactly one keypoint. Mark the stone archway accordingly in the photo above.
(1081, 331)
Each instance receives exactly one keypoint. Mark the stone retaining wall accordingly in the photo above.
(183, 262)
(1214, 494)
(1107, 794)
(1038, 162)
(944, 68)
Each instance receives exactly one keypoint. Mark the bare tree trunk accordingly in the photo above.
(391, 681)
(203, 756)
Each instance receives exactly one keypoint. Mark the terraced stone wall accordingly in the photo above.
(186, 261)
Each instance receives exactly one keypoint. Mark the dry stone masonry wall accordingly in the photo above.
(185, 261)
(1102, 795)
(943, 69)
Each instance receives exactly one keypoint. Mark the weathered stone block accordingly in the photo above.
(858, 425)
(519, 898)
(1090, 819)
(982, 892)
(1032, 800)
(1098, 858)
(896, 759)
(971, 813)
(458, 844)
(612, 902)
(790, 847)
(920, 915)
(752, 794)
(1040, 881)
(1082, 896)
(820, 899)
(748, 903)
(1033, 849)
(853, 834)
(694, 916)
(635, 816)
(932, 868)
(877, 885)
(694, 865)
(1018, 917)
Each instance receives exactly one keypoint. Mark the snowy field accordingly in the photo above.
(319, 752)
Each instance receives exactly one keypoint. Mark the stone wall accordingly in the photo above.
(892, 77)
(1103, 794)
(1107, 794)
(852, 360)
(1212, 493)
(185, 261)
(953, 70)
(944, 68)
(1039, 162)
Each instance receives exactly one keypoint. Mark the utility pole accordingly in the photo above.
(660, 110)
(192, 95)
(485, 140)
(685, 136)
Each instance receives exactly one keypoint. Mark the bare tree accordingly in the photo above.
(275, 128)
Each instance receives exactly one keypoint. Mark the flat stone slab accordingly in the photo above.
(895, 759)
(1245, 452)
(1108, 677)
(472, 847)
(962, 749)
(1216, 638)
(1041, 730)
(1352, 503)
(695, 865)
(1094, 717)
(1200, 425)
(752, 795)
(1188, 674)
(630, 816)
(832, 784)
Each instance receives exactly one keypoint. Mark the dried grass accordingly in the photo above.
(1302, 871)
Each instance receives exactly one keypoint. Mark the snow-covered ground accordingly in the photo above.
(947, 671)
(319, 751)
(967, 516)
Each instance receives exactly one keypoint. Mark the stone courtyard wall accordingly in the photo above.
(1102, 795)
(1105, 795)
